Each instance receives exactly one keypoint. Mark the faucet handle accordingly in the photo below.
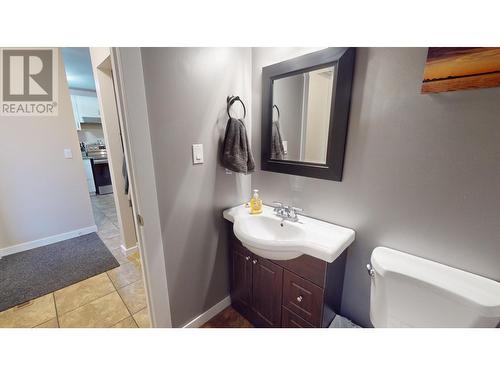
(277, 204)
(296, 209)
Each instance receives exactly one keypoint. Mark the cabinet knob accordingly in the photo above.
(247, 258)
(254, 261)
(300, 298)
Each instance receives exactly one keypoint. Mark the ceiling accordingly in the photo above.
(78, 68)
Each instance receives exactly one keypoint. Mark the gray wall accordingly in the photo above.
(186, 91)
(288, 96)
(421, 173)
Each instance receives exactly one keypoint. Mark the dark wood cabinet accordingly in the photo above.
(256, 287)
(267, 286)
(300, 293)
(241, 275)
(303, 298)
(290, 320)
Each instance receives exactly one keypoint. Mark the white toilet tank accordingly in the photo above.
(408, 291)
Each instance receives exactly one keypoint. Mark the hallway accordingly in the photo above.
(115, 298)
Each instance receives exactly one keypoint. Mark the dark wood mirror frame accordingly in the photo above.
(343, 61)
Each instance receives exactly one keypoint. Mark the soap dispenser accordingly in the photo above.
(255, 203)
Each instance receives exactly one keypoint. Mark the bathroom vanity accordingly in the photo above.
(303, 291)
(286, 270)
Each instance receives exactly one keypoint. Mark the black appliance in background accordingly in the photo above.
(102, 177)
(100, 168)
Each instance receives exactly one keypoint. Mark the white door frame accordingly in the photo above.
(133, 114)
(106, 96)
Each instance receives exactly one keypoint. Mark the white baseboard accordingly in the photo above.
(127, 251)
(46, 241)
(209, 314)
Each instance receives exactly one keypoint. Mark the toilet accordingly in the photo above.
(409, 291)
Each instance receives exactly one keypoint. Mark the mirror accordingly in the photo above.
(301, 116)
(305, 110)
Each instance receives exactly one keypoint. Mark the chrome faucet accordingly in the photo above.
(287, 212)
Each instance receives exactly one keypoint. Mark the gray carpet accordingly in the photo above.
(34, 273)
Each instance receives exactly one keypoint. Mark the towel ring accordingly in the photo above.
(230, 102)
(277, 110)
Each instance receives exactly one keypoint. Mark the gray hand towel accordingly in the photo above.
(277, 149)
(236, 153)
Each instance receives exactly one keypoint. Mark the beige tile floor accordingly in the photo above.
(115, 298)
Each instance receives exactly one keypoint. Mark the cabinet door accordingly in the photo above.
(88, 106)
(241, 276)
(266, 290)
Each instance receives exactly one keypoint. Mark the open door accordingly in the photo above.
(120, 82)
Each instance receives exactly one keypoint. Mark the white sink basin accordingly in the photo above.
(268, 236)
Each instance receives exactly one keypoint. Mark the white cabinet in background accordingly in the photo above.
(90, 176)
(85, 107)
(88, 106)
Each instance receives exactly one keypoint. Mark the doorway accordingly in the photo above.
(93, 146)
(114, 295)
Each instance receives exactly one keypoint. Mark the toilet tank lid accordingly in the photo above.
(473, 289)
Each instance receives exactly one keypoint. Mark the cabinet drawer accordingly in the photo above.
(303, 298)
(291, 320)
(308, 267)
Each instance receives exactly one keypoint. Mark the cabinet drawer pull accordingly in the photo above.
(300, 298)
(247, 258)
(254, 261)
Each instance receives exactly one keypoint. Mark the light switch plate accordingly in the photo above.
(198, 154)
(68, 154)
